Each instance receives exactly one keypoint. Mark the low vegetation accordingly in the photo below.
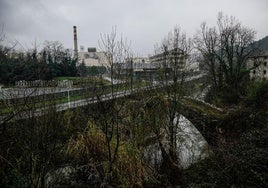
(29, 151)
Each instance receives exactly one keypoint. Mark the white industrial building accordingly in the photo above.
(92, 58)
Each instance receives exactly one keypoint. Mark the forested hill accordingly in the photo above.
(262, 44)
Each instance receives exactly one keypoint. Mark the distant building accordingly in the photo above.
(260, 59)
(169, 58)
(194, 66)
(92, 58)
(147, 67)
(139, 68)
(138, 64)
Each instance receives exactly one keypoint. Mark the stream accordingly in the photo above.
(190, 145)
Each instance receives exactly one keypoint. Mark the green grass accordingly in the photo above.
(68, 78)
(81, 81)
(41, 104)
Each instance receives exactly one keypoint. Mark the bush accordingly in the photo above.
(224, 96)
(256, 93)
(11, 178)
(91, 147)
(241, 165)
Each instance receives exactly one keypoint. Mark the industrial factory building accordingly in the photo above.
(136, 65)
(90, 57)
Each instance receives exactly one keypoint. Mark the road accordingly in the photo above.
(87, 101)
(11, 93)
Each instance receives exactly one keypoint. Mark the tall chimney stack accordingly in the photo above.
(75, 43)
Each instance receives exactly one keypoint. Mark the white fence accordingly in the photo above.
(44, 83)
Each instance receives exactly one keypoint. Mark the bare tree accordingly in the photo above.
(34, 137)
(225, 50)
(172, 56)
(116, 52)
(206, 44)
(2, 36)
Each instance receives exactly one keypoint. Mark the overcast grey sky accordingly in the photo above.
(143, 22)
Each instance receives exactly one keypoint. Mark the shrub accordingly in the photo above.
(243, 164)
(256, 93)
(91, 147)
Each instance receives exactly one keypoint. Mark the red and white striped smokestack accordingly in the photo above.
(75, 43)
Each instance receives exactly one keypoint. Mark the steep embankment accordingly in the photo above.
(240, 159)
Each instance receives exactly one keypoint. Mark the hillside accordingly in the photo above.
(262, 44)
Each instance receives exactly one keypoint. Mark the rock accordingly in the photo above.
(70, 176)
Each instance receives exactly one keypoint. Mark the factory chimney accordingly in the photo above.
(75, 43)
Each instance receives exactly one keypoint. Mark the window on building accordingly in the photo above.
(254, 71)
(255, 63)
(264, 71)
(265, 64)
